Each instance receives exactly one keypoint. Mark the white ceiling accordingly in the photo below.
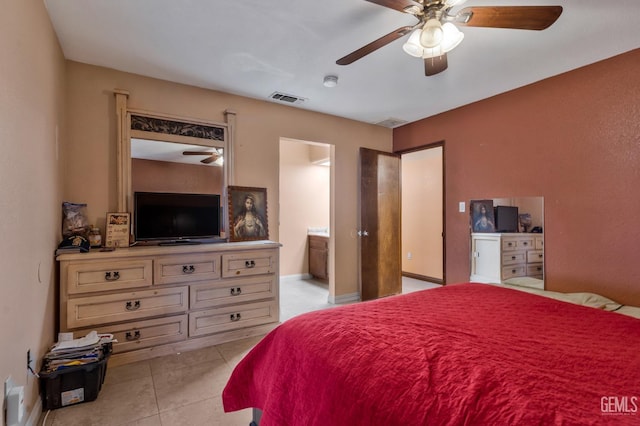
(256, 47)
(146, 149)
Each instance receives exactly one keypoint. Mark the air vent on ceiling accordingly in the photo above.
(391, 122)
(289, 99)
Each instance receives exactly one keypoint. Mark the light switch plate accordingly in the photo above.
(462, 206)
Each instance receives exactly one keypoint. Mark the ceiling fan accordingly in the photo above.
(212, 156)
(435, 33)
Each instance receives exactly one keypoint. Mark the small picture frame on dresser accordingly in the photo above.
(118, 229)
(247, 213)
(482, 219)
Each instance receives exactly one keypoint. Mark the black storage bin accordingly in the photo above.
(73, 385)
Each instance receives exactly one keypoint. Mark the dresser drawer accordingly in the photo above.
(193, 267)
(226, 292)
(535, 270)
(252, 262)
(515, 257)
(232, 317)
(144, 334)
(514, 271)
(88, 277)
(526, 243)
(539, 243)
(535, 256)
(509, 244)
(517, 243)
(96, 310)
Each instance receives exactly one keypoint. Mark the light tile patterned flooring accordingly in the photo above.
(185, 389)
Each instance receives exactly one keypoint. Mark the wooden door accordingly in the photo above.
(380, 248)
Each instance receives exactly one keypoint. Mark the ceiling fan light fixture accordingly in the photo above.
(412, 45)
(452, 37)
(432, 33)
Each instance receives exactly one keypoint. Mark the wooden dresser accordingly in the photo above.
(159, 300)
(497, 257)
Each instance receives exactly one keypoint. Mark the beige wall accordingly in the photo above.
(260, 125)
(31, 114)
(573, 139)
(422, 213)
(304, 201)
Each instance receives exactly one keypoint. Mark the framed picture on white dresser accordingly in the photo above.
(482, 219)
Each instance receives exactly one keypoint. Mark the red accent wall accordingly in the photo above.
(573, 139)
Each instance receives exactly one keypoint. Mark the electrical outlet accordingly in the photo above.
(409, 256)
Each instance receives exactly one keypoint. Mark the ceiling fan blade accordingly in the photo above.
(197, 152)
(433, 66)
(514, 17)
(210, 159)
(399, 5)
(374, 45)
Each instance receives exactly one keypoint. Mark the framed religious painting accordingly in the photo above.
(247, 213)
(482, 219)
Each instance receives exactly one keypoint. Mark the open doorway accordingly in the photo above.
(305, 213)
(422, 186)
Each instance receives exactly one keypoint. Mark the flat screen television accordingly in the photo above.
(506, 218)
(176, 218)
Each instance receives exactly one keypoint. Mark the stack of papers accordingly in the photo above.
(71, 353)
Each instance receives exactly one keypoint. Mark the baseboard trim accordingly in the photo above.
(423, 278)
(344, 298)
(294, 277)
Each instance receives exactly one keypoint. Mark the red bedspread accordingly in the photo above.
(463, 354)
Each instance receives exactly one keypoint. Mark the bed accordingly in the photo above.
(462, 354)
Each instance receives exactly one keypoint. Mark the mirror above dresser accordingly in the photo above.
(163, 153)
(507, 241)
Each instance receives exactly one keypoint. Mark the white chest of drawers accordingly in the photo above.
(161, 300)
(496, 257)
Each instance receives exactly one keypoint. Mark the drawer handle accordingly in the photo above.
(509, 244)
(236, 291)
(250, 264)
(235, 317)
(513, 271)
(540, 256)
(188, 269)
(133, 306)
(112, 276)
(134, 336)
(513, 258)
(525, 243)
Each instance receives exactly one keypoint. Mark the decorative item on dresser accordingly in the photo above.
(160, 300)
(118, 229)
(248, 213)
(498, 257)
